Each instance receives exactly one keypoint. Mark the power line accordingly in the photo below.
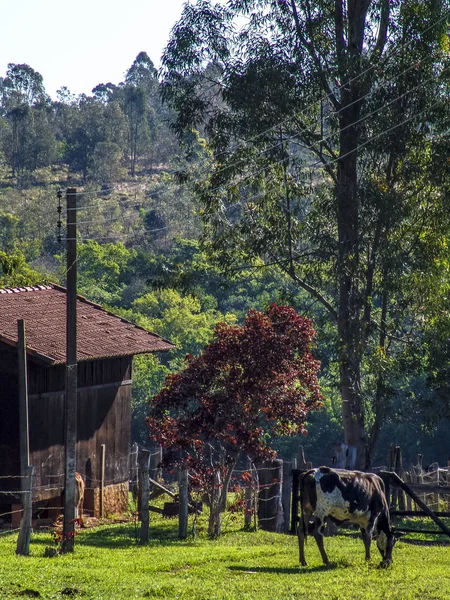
(311, 166)
(349, 82)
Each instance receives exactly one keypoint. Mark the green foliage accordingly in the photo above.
(15, 272)
(104, 270)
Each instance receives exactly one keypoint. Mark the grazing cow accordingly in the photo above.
(342, 495)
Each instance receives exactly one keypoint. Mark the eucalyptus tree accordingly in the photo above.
(324, 119)
(28, 140)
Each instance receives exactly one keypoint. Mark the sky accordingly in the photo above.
(86, 42)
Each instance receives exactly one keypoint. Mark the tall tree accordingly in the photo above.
(319, 113)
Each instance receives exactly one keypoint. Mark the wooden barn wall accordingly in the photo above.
(43, 379)
(104, 407)
(9, 416)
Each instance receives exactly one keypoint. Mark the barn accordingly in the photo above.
(106, 345)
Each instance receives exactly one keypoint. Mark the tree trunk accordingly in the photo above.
(216, 508)
(349, 314)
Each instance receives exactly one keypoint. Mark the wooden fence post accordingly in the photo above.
(286, 494)
(144, 493)
(102, 479)
(295, 499)
(270, 509)
(301, 462)
(183, 495)
(448, 483)
(134, 470)
(23, 541)
(249, 504)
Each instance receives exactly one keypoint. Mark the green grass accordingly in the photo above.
(108, 563)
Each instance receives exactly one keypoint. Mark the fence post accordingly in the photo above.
(102, 479)
(295, 499)
(183, 495)
(270, 509)
(144, 493)
(286, 494)
(23, 541)
(248, 513)
(134, 469)
(301, 462)
(448, 483)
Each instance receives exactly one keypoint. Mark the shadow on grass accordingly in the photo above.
(285, 571)
(115, 536)
(413, 542)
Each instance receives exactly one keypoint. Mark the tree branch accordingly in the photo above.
(311, 51)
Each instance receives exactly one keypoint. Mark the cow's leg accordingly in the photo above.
(318, 536)
(367, 539)
(302, 532)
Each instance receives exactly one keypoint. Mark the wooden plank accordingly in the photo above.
(99, 386)
(417, 513)
(423, 488)
(156, 509)
(396, 479)
(163, 489)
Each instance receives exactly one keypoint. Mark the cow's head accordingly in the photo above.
(385, 544)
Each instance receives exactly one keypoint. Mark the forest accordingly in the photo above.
(300, 159)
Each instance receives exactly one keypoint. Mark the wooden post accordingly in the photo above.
(399, 471)
(301, 462)
(144, 492)
(420, 475)
(183, 495)
(448, 483)
(23, 543)
(270, 510)
(102, 479)
(286, 494)
(134, 469)
(70, 407)
(23, 540)
(248, 498)
(295, 499)
(407, 479)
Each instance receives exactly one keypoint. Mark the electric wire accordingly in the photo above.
(295, 116)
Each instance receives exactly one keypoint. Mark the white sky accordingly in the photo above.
(82, 43)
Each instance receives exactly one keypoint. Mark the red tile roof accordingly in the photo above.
(100, 334)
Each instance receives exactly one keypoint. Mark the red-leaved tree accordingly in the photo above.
(251, 383)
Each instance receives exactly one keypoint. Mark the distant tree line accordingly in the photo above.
(118, 125)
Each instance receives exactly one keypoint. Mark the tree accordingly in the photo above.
(22, 85)
(251, 381)
(306, 174)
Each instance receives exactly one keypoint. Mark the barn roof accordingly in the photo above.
(100, 334)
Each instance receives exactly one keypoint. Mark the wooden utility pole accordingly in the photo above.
(70, 407)
(23, 542)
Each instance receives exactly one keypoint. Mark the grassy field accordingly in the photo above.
(108, 563)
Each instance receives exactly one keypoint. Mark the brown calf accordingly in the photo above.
(79, 497)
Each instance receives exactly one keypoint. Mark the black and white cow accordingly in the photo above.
(342, 495)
